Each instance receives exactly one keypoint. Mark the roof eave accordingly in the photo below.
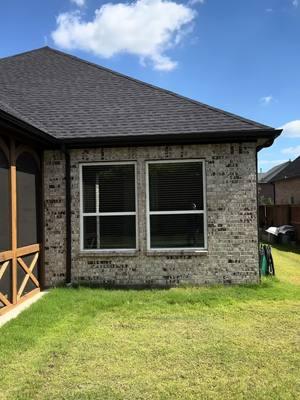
(268, 140)
(26, 129)
(267, 136)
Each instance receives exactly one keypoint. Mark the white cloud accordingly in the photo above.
(269, 10)
(295, 3)
(79, 3)
(146, 28)
(193, 2)
(291, 129)
(266, 100)
(293, 151)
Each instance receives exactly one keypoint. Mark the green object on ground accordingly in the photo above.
(264, 265)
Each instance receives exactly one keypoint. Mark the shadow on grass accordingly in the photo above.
(270, 288)
(287, 248)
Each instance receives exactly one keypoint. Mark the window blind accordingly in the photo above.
(176, 205)
(109, 206)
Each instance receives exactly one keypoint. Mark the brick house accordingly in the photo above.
(280, 185)
(287, 184)
(109, 180)
(266, 188)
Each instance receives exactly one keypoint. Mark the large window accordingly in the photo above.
(108, 206)
(176, 205)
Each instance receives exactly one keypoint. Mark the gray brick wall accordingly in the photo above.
(54, 217)
(232, 255)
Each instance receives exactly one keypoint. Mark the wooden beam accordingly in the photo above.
(6, 255)
(13, 190)
(5, 309)
(14, 255)
(3, 268)
(23, 251)
(27, 296)
(4, 300)
(29, 274)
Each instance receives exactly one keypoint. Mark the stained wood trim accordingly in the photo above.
(26, 149)
(4, 300)
(3, 268)
(29, 274)
(28, 271)
(27, 296)
(13, 191)
(6, 255)
(41, 220)
(5, 309)
(23, 251)
(14, 255)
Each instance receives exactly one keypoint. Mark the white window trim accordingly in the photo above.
(149, 213)
(103, 214)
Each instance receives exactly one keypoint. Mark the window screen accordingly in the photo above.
(5, 223)
(108, 206)
(27, 200)
(176, 205)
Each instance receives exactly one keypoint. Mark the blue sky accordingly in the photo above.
(242, 56)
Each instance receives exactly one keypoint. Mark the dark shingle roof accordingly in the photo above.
(270, 175)
(292, 170)
(67, 97)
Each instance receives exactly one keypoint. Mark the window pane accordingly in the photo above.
(112, 185)
(176, 186)
(5, 223)
(177, 231)
(113, 232)
(27, 200)
(91, 240)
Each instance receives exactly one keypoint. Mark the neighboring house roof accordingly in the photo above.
(292, 170)
(72, 99)
(268, 177)
(260, 176)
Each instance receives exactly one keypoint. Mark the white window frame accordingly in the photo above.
(103, 214)
(149, 213)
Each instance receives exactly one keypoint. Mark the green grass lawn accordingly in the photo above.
(187, 343)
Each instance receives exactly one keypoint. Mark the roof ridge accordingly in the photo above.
(274, 171)
(287, 169)
(169, 92)
(25, 52)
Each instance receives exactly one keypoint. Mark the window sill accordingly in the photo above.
(120, 253)
(177, 253)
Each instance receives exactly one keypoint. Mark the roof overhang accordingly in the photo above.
(264, 141)
(263, 138)
(11, 123)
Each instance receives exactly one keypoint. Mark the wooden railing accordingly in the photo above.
(14, 260)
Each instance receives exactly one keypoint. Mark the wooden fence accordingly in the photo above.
(277, 215)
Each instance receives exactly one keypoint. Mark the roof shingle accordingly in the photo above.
(292, 170)
(67, 98)
(271, 175)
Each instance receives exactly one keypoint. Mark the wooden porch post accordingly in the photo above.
(13, 186)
